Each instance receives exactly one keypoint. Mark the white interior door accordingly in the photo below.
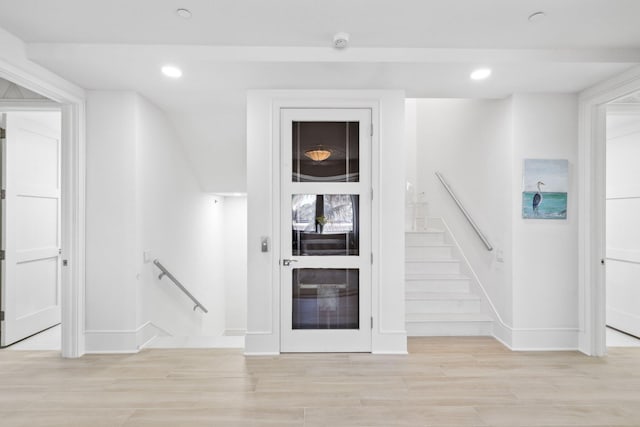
(30, 296)
(325, 249)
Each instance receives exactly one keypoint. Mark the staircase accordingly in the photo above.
(439, 294)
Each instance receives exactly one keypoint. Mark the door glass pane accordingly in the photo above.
(325, 298)
(325, 224)
(326, 152)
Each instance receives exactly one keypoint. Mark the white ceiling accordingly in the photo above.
(372, 23)
(425, 47)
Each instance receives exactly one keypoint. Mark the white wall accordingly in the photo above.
(411, 146)
(219, 155)
(143, 197)
(182, 227)
(623, 228)
(235, 264)
(469, 142)
(545, 252)
(112, 251)
(480, 146)
(263, 320)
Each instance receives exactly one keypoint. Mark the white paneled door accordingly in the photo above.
(30, 270)
(325, 240)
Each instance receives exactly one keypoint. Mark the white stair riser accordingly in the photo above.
(417, 239)
(438, 298)
(447, 329)
(428, 252)
(434, 285)
(442, 306)
(446, 295)
(432, 267)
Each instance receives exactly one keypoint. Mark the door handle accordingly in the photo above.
(287, 262)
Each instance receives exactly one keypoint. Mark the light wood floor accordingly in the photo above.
(442, 382)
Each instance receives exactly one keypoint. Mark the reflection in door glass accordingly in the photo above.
(326, 152)
(325, 298)
(325, 224)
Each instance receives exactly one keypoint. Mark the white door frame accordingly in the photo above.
(592, 207)
(277, 106)
(71, 102)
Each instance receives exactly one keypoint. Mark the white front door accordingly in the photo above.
(30, 298)
(325, 250)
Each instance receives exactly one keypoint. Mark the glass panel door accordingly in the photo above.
(326, 230)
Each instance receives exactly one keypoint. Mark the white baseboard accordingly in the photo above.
(123, 341)
(392, 342)
(109, 341)
(218, 342)
(503, 333)
(235, 332)
(623, 321)
(544, 339)
(147, 333)
(537, 339)
(261, 343)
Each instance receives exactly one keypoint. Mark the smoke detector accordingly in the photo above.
(184, 13)
(537, 17)
(340, 40)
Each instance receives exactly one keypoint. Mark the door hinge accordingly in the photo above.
(371, 322)
(372, 194)
(371, 129)
(3, 194)
(1, 316)
(371, 257)
(2, 255)
(3, 133)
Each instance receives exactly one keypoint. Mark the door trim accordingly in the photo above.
(277, 106)
(592, 207)
(71, 102)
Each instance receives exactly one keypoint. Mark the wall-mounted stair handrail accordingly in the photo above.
(465, 213)
(165, 272)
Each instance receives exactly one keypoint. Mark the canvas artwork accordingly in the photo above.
(545, 186)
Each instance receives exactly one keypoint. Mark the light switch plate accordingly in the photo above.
(148, 256)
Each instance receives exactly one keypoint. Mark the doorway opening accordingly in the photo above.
(622, 228)
(21, 92)
(30, 218)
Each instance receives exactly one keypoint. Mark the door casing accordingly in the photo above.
(329, 103)
(70, 101)
(592, 207)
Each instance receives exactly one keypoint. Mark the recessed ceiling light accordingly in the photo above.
(171, 71)
(537, 17)
(480, 74)
(184, 13)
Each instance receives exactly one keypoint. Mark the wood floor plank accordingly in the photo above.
(455, 381)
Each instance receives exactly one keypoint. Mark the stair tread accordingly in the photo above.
(431, 260)
(426, 245)
(427, 231)
(429, 276)
(447, 317)
(416, 296)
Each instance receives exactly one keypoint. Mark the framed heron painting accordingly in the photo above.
(545, 184)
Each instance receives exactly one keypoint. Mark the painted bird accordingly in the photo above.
(537, 198)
